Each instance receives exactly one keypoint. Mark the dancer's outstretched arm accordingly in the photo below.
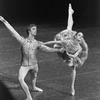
(12, 30)
(53, 42)
(49, 49)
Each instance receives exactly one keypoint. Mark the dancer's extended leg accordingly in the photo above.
(70, 18)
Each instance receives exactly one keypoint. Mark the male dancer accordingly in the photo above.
(29, 48)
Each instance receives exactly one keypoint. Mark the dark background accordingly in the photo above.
(51, 11)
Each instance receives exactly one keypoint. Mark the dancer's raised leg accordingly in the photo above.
(70, 18)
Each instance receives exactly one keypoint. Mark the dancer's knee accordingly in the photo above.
(20, 79)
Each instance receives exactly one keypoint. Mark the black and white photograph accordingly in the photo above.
(49, 49)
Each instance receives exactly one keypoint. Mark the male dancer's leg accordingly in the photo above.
(22, 74)
(33, 73)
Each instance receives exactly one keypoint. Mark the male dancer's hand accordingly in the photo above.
(2, 19)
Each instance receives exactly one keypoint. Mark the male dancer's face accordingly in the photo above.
(33, 30)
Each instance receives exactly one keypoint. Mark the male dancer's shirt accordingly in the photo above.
(29, 51)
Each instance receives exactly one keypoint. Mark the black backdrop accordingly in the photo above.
(45, 11)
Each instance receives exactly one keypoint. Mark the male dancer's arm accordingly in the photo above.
(53, 42)
(57, 40)
(49, 49)
(12, 30)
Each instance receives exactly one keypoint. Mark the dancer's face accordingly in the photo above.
(68, 36)
(79, 36)
(33, 30)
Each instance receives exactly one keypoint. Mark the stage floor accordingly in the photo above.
(54, 75)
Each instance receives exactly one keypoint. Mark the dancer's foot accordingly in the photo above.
(72, 91)
(29, 98)
(70, 9)
(37, 89)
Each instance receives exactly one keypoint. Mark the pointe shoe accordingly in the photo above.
(37, 89)
(72, 92)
